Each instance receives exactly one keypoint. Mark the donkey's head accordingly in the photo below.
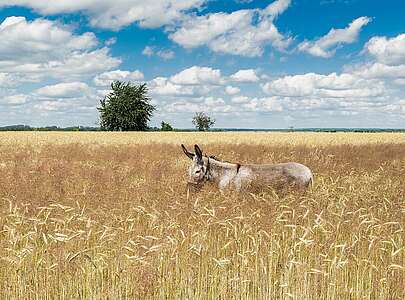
(199, 168)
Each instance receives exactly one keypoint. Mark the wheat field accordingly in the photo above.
(258, 138)
(106, 216)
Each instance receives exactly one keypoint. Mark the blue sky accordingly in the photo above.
(249, 64)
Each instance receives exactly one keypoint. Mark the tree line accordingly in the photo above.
(128, 108)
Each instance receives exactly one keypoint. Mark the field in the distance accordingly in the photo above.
(105, 216)
(257, 138)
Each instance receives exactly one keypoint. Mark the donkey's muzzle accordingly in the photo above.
(193, 187)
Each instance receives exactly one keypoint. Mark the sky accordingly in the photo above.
(246, 63)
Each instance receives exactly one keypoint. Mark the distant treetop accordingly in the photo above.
(126, 108)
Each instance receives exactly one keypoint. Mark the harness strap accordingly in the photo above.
(207, 170)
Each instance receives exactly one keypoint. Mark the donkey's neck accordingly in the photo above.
(219, 169)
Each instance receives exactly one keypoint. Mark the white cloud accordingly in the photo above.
(73, 66)
(248, 75)
(240, 99)
(327, 86)
(41, 48)
(277, 8)
(64, 90)
(166, 54)
(9, 81)
(326, 45)
(197, 31)
(105, 79)
(231, 90)
(169, 88)
(267, 104)
(114, 14)
(110, 41)
(243, 32)
(206, 104)
(396, 107)
(82, 64)
(164, 87)
(377, 70)
(14, 100)
(198, 75)
(212, 101)
(390, 51)
(400, 81)
(386, 68)
(148, 51)
(66, 97)
(39, 40)
(60, 106)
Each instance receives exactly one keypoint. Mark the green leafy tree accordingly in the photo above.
(202, 122)
(166, 126)
(126, 108)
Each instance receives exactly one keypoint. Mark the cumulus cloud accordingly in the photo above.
(276, 8)
(265, 104)
(15, 100)
(240, 99)
(39, 40)
(400, 81)
(8, 81)
(243, 32)
(166, 54)
(389, 51)
(386, 60)
(198, 75)
(164, 87)
(232, 90)
(64, 97)
(199, 81)
(61, 106)
(328, 86)
(197, 31)
(326, 45)
(114, 14)
(32, 50)
(377, 70)
(64, 90)
(148, 51)
(207, 104)
(105, 79)
(248, 75)
(110, 41)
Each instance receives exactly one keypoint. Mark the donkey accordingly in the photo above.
(238, 177)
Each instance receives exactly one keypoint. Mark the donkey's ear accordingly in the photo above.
(198, 151)
(186, 152)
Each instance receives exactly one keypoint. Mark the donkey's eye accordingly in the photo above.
(198, 171)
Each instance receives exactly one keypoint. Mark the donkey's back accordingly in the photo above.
(282, 173)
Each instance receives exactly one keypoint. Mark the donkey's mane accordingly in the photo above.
(218, 159)
(238, 165)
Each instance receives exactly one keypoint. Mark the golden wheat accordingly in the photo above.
(106, 216)
(260, 138)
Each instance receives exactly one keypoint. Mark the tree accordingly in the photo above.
(166, 126)
(126, 108)
(202, 122)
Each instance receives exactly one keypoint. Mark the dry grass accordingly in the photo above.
(258, 138)
(112, 221)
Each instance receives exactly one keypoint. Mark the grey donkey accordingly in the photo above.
(239, 177)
